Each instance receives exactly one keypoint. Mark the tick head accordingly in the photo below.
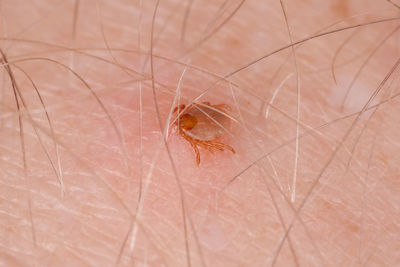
(179, 108)
(187, 121)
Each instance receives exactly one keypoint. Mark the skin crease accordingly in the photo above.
(126, 190)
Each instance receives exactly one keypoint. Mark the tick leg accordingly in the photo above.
(210, 145)
(223, 107)
(230, 148)
(196, 149)
(218, 145)
(193, 143)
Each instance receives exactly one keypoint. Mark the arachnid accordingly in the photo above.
(202, 125)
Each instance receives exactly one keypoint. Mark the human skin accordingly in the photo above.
(103, 181)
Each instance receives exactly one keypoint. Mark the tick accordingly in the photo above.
(202, 125)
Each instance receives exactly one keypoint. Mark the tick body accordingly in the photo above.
(202, 125)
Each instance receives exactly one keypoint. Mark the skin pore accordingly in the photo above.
(92, 174)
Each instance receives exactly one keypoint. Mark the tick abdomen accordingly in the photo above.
(211, 123)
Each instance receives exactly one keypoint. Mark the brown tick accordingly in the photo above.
(202, 125)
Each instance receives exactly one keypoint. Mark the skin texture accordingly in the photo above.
(91, 175)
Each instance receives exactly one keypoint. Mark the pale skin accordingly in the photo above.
(92, 176)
